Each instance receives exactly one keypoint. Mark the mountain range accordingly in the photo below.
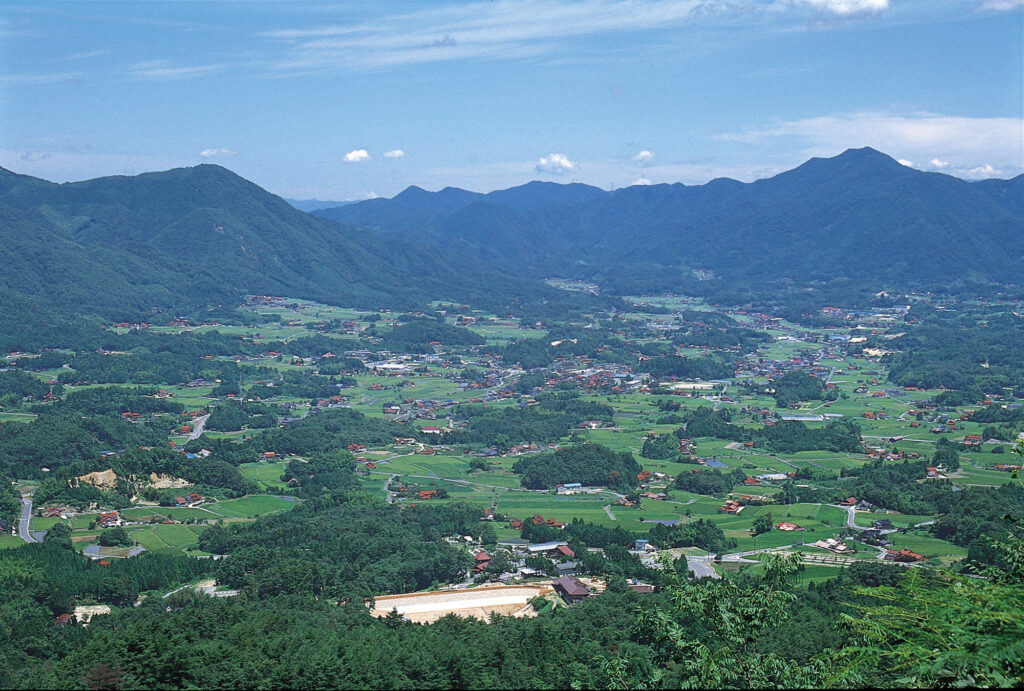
(118, 248)
(858, 216)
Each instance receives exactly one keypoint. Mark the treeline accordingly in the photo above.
(561, 341)
(417, 334)
(787, 436)
(955, 353)
(589, 464)
(325, 430)
(53, 441)
(211, 477)
(669, 366)
(15, 386)
(553, 418)
(230, 416)
(710, 482)
(344, 545)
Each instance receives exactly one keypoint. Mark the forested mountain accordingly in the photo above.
(860, 215)
(118, 247)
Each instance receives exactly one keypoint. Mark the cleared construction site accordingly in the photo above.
(481, 602)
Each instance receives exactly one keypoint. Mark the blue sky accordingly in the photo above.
(353, 100)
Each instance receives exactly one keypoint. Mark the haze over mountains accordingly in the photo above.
(116, 247)
(860, 215)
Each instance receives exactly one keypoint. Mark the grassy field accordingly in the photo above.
(10, 541)
(267, 476)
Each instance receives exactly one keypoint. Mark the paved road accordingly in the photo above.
(608, 510)
(701, 568)
(197, 429)
(26, 515)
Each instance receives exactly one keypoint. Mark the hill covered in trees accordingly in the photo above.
(123, 248)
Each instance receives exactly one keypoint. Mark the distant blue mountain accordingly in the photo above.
(860, 216)
(314, 204)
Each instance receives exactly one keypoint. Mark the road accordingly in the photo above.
(608, 510)
(197, 429)
(26, 515)
(700, 568)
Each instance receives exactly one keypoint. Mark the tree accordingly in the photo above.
(60, 534)
(736, 618)
(116, 537)
(762, 524)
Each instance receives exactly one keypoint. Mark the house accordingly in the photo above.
(567, 568)
(483, 560)
(427, 494)
(565, 551)
(52, 512)
(195, 499)
(903, 555)
(181, 501)
(64, 619)
(642, 588)
(731, 506)
(863, 505)
(849, 501)
(660, 496)
(834, 545)
(541, 547)
(883, 524)
(110, 518)
(931, 472)
(787, 526)
(571, 589)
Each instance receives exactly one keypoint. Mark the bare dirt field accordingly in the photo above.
(508, 600)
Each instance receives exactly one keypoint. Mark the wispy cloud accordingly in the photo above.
(394, 153)
(847, 8)
(356, 156)
(28, 78)
(502, 29)
(558, 164)
(82, 56)
(210, 153)
(162, 69)
(1001, 5)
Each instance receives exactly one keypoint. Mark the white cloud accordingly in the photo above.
(961, 141)
(640, 181)
(846, 8)
(555, 163)
(939, 164)
(985, 171)
(209, 153)
(395, 153)
(1001, 5)
(643, 157)
(356, 156)
(905, 162)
